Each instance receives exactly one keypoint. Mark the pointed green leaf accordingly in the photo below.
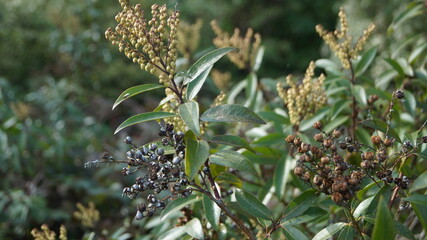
(300, 204)
(419, 183)
(308, 123)
(229, 178)
(365, 61)
(420, 199)
(205, 62)
(232, 159)
(232, 140)
(360, 94)
(195, 155)
(384, 223)
(346, 233)
(212, 211)
(258, 58)
(403, 230)
(335, 124)
(281, 175)
(251, 90)
(130, 92)
(177, 205)
(194, 228)
(329, 231)
(189, 113)
(172, 234)
(143, 117)
(362, 207)
(293, 233)
(252, 205)
(231, 113)
(308, 216)
(396, 66)
(421, 212)
(195, 86)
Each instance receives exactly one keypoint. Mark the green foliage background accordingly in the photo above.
(59, 78)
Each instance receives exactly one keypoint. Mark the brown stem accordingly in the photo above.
(212, 182)
(394, 195)
(354, 221)
(354, 110)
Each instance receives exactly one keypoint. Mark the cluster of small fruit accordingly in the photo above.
(163, 167)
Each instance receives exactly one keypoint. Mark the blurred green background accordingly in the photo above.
(59, 78)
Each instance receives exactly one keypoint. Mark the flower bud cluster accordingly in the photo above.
(305, 99)
(340, 41)
(221, 80)
(163, 164)
(244, 56)
(151, 44)
(189, 37)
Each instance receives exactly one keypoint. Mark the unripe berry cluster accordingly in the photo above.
(151, 44)
(163, 170)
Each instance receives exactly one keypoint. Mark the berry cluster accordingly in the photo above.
(164, 170)
(324, 168)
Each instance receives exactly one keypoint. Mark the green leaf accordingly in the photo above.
(231, 140)
(300, 204)
(416, 52)
(421, 212)
(420, 199)
(258, 58)
(195, 86)
(269, 139)
(252, 205)
(419, 183)
(365, 61)
(362, 207)
(204, 63)
(189, 113)
(172, 234)
(384, 192)
(293, 233)
(381, 126)
(232, 159)
(231, 113)
(143, 117)
(360, 94)
(229, 178)
(195, 155)
(177, 204)
(281, 174)
(212, 211)
(410, 103)
(396, 66)
(346, 233)
(335, 123)
(194, 228)
(250, 89)
(130, 92)
(403, 230)
(329, 231)
(330, 66)
(308, 123)
(309, 215)
(384, 223)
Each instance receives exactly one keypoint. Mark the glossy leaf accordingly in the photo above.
(420, 199)
(231, 140)
(258, 59)
(204, 63)
(231, 113)
(384, 223)
(360, 94)
(403, 230)
(251, 90)
(130, 92)
(189, 113)
(396, 66)
(335, 124)
(211, 211)
(384, 192)
(232, 159)
(194, 228)
(346, 233)
(194, 87)
(365, 61)
(300, 204)
(143, 117)
(252, 205)
(177, 205)
(229, 178)
(362, 207)
(329, 231)
(410, 103)
(281, 175)
(196, 154)
(172, 234)
(421, 212)
(419, 183)
(309, 215)
(293, 233)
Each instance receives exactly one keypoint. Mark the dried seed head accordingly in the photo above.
(299, 171)
(318, 137)
(376, 140)
(290, 139)
(318, 125)
(324, 160)
(328, 143)
(336, 133)
(388, 142)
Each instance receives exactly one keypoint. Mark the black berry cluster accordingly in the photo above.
(163, 167)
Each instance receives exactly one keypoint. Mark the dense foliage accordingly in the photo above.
(340, 153)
